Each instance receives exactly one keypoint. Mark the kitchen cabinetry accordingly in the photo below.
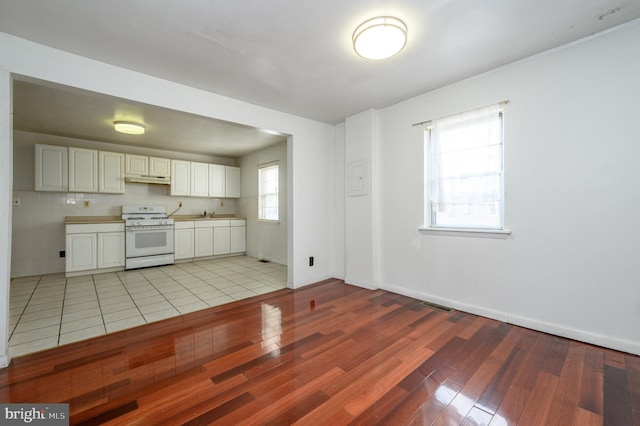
(202, 238)
(94, 248)
(217, 180)
(111, 166)
(221, 237)
(184, 240)
(81, 252)
(96, 171)
(73, 169)
(203, 244)
(83, 170)
(141, 165)
(199, 179)
(111, 249)
(238, 236)
(159, 166)
(232, 182)
(180, 178)
(137, 165)
(52, 168)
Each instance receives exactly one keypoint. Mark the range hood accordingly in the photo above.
(160, 180)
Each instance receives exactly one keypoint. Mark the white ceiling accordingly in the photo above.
(62, 111)
(296, 56)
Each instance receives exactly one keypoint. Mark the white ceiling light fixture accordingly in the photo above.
(380, 37)
(129, 128)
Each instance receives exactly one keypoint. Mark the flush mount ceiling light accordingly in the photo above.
(380, 37)
(129, 128)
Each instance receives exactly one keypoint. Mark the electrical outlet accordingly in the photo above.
(310, 260)
(86, 203)
(62, 253)
(221, 203)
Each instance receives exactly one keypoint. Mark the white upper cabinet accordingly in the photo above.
(216, 180)
(111, 167)
(159, 166)
(70, 169)
(232, 184)
(199, 179)
(180, 178)
(51, 167)
(136, 165)
(83, 170)
(141, 165)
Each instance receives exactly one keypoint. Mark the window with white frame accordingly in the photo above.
(268, 192)
(464, 170)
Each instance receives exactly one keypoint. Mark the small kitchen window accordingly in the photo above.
(268, 199)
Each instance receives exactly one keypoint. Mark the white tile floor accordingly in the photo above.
(52, 310)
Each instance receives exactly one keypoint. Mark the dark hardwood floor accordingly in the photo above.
(331, 354)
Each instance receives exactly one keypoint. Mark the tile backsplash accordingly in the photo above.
(38, 221)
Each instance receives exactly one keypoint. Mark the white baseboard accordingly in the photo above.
(308, 281)
(4, 361)
(360, 283)
(611, 342)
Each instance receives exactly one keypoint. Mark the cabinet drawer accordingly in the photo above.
(220, 223)
(204, 224)
(94, 227)
(184, 224)
(238, 222)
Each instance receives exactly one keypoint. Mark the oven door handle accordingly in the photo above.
(148, 228)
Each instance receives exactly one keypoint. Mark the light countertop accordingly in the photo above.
(78, 220)
(185, 217)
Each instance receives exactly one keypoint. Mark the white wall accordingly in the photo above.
(572, 172)
(310, 151)
(6, 165)
(339, 200)
(38, 222)
(265, 240)
(361, 222)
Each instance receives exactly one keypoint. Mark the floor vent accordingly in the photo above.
(264, 261)
(437, 307)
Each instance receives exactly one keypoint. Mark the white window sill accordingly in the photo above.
(268, 221)
(466, 232)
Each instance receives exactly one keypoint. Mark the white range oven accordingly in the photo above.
(148, 236)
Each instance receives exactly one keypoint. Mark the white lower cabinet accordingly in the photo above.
(111, 249)
(92, 247)
(202, 238)
(221, 240)
(183, 240)
(81, 252)
(238, 236)
(203, 241)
